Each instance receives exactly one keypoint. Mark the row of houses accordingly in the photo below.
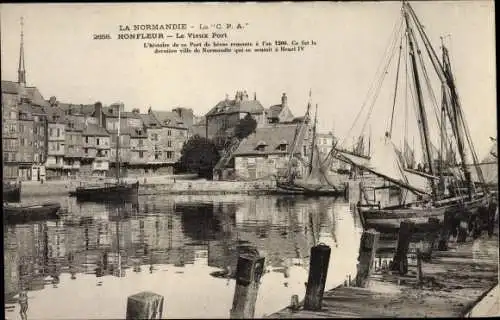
(48, 138)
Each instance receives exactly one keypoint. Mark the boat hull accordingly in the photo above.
(12, 193)
(388, 220)
(109, 193)
(285, 188)
(23, 214)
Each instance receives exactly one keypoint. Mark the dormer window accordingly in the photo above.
(261, 146)
(282, 145)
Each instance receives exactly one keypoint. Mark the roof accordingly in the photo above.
(31, 110)
(55, 114)
(95, 130)
(77, 109)
(274, 111)
(169, 119)
(241, 103)
(128, 114)
(150, 121)
(272, 136)
(11, 87)
(138, 133)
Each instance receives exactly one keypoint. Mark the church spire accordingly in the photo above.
(21, 71)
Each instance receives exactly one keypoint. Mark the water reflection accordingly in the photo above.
(183, 247)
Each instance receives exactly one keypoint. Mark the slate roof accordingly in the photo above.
(274, 111)
(94, 130)
(55, 115)
(271, 137)
(241, 103)
(77, 109)
(33, 94)
(150, 121)
(138, 133)
(169, 119)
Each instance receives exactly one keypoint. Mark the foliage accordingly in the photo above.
(199, 155)
(245, 127)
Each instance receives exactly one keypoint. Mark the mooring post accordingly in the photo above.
(294, 303)
(431, 236)
(318, 270)
(144, 305)
(367, 249)
(419, 266)
(249, 270)
(400, 261)
(444, 234)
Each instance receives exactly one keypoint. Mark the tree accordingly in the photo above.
(199, 155)
(245, 127)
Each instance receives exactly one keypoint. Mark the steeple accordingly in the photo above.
(21, 72)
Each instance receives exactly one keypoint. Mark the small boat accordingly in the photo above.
(109, 192)
(317, 182)
(32, 212)
(12, 192)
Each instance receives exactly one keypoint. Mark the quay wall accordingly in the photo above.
(155, 185)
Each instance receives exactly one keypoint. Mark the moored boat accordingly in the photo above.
(11, 192)
(32, 212)
(438, 187)
(109, 192)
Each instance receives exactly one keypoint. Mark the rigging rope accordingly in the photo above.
(369, 93)
(396, 86)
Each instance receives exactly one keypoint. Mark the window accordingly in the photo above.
(170, 154)
(21, 128)
(169, 132)
(141, 154)
(58, 146)
(282, 147)
(51, 132)
(305, 151)
(86, 150)
(97, 141)
(154, 136)
(157, 155)
(169, 143)
(58, 132)
(140, 143)
(87, 139)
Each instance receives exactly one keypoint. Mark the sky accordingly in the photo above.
(351, 38)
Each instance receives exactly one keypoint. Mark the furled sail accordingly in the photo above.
(386, 163)
(318, 177)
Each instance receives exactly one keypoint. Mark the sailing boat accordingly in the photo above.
(437, 190)
(120, 191)
(317, 182)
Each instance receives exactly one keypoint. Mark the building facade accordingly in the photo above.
(10, 128)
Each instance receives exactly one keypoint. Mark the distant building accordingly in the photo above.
(56, 143)
(227, 113)
(96, 150)
(280, 113)
(266, 152)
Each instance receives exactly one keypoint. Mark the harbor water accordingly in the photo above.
(86, 264)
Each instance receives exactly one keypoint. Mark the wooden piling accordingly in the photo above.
(462, 232)
(430, 239)
(318, 270)
(419, 266)
(444, 234)
(144, 305)
(367, 249)
(400, 261)
(294, 303)
(249, 270)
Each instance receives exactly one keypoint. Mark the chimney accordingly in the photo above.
(255, 95)
(283, 100)
(245, 96)
(98, 112)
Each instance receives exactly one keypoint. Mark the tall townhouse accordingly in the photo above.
(26, 144)
(56, 141)
(73, 151)
(138, 143)
(173, 135)
(152, 152)
(96, 151)
(10, 128)
(110, 115)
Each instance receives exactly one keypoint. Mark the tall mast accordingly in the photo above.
(455, 113)
(313, 139)
(421, 109)
(118, 147)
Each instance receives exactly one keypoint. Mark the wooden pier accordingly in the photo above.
(452, 283)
